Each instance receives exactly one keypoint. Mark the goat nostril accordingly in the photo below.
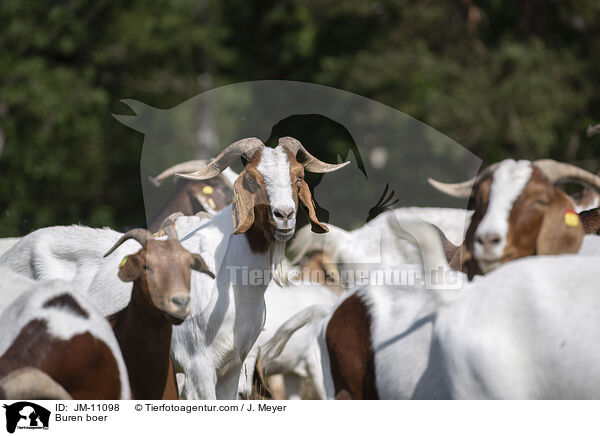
(180, 300)
(488, 239)
(283, 214)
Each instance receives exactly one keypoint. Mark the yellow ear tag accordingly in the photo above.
(571, 218)
(208, 190)
(123, 262)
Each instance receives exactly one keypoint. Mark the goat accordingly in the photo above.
(297, 360)
(54, 329)
(31, 384)
(521, 331)
(191, 197)
(209, 347)
(60, 252)
(373, 246)
(251, 235)
(519, 212)
(160, 298)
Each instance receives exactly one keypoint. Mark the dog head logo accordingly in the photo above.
(26, 415)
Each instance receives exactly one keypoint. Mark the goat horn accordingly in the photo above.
(462, 189)
(244, 147)
(140, 235)
(309, 162)
(183, 167)
(562, 172)
(169, 221)
(172, 232)
(31, 384)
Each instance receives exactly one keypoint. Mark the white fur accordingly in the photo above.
(274, 165)
(300, 357)
(508, 182)
(62, 323)
(590, 245)
(7, 243)
(62, 252)
(12, 285)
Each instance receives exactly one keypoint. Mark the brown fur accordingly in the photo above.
(302, 192)
(348, 338)
(590, 219)
(83, 365)
(320, 268)
(143, 328)
(536, 221)
(65, 300)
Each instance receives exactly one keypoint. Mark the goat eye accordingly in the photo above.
(540, 203)
(299, 180)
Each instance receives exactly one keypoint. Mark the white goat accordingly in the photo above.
(526, 330)
(227, 315)
(299, 359)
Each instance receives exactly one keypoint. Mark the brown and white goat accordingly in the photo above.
(57, 331)
(228, 314)
(518, 212)
(161, 273)
(190, 197)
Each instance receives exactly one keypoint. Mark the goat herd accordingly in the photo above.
(407, 306)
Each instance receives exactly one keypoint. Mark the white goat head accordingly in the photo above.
(519, 211)
(266, 193)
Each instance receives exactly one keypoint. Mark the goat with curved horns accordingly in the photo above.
(268, 179)
(519, 212)
(227, 315)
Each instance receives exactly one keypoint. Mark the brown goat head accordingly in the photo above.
(161, 271)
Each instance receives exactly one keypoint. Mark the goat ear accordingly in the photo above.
(561, 230)
(243, 205)
(130, 269)
(309, 207)
(199, 265)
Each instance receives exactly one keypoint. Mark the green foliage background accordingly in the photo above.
(505, 79)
